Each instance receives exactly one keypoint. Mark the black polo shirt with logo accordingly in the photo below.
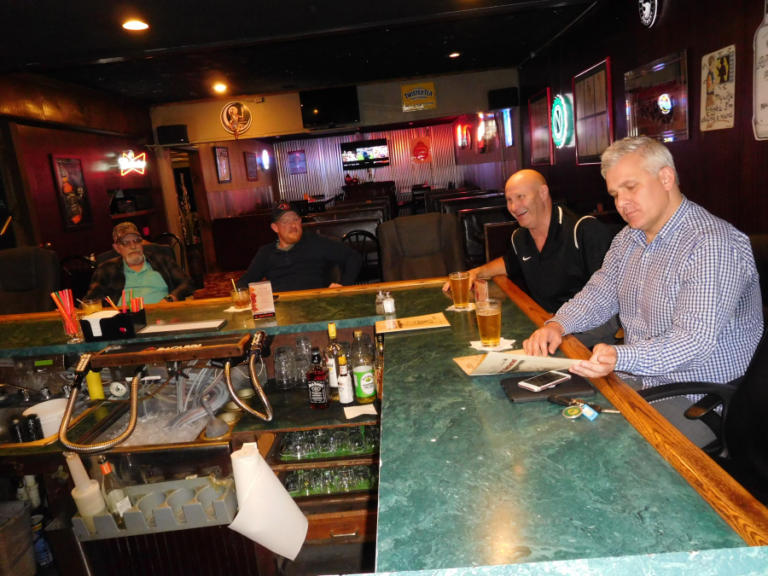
(568, 259)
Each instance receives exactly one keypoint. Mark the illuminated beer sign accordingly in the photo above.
(129, 163)
(562, 121)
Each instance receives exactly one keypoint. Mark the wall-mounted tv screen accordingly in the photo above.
(329, 107)
(364, 154)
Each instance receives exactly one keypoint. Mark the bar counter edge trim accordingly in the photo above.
(745, 514)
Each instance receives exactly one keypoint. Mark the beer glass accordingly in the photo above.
(285, 367)
(459, 289)
(489, 322)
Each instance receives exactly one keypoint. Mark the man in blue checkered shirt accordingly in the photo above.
(683, 282)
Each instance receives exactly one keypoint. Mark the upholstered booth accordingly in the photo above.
(28, 275)
(420, 246)
(760, 250)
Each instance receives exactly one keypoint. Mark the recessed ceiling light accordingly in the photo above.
(454, 54)
(220, 88)
(135, 25)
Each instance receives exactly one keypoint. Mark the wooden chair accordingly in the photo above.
(368, 246)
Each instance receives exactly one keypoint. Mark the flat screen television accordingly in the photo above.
(364, 154)
(329, 107)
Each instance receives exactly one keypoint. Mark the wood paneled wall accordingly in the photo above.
(98, 154)
(724, 170)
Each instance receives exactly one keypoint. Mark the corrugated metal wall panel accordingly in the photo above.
(325, 175)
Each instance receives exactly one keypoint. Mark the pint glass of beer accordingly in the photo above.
(489, 322)
(459, 289)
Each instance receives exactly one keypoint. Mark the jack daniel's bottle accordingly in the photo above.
(317, 382)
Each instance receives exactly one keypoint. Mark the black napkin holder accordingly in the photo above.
(121, 325)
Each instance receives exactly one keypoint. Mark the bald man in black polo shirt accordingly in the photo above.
(553, 253)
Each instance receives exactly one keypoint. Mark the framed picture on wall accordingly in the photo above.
(297, 162)
(72, 193)
(593, 112)
(657, 98)
(539, 106)
(221, 156)
(251, 165)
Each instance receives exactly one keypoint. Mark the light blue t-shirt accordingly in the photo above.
(147, 283)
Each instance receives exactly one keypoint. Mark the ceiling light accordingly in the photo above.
(135, 25)
(454, 54)
(220, 88)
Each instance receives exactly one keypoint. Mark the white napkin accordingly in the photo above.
(233, 309)
(355, 411)
(267, 514)
(95, 319)
(504, 344)
(469, 308)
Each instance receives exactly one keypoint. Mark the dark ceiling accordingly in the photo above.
(269, 46)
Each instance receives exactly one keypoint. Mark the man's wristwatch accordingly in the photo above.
(168, 298)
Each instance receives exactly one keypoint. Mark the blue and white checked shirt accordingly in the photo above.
(689, 301)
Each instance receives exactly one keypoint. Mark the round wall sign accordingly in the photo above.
(562, 121)
(649, 9)
(235, 117)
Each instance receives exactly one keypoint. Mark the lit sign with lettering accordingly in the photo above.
(129, 163)
(562, 121)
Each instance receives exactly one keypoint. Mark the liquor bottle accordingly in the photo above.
(378, 371)
(346, 389)
(317, 382)
(332, 352)
(362, 370)
(112, 489)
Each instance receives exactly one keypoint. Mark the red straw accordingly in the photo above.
(69, 322)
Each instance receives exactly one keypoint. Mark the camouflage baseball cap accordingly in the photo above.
(124, 229)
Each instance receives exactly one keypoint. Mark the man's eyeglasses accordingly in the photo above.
(129, 242)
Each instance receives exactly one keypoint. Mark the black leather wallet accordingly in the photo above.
(576, 387)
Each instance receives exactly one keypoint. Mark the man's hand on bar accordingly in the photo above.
(601, 363)
(545, 340)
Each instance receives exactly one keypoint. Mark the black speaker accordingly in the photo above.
(503, 98)
(172, 134)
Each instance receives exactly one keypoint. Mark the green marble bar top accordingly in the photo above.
(468, 478)
(726, 561)
(38, 334)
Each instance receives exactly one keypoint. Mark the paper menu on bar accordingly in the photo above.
(437, 320)
(513, 361)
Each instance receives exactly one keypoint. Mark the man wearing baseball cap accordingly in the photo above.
(142, 267)
(300, 260)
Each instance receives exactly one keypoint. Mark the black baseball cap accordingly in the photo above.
(280, 209)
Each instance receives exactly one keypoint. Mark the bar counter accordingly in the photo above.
(469, 480)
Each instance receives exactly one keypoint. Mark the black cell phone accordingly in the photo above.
(544, 381)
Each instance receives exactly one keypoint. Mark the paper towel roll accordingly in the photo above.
(267, 514)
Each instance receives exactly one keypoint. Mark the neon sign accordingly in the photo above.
(129, 163)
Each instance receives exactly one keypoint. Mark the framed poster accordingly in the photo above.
(718, 89)
(221, 156)
(593, 112)
(657, 98)
(297, 162)
(72, 193)
(539, 106)
(251, 165)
